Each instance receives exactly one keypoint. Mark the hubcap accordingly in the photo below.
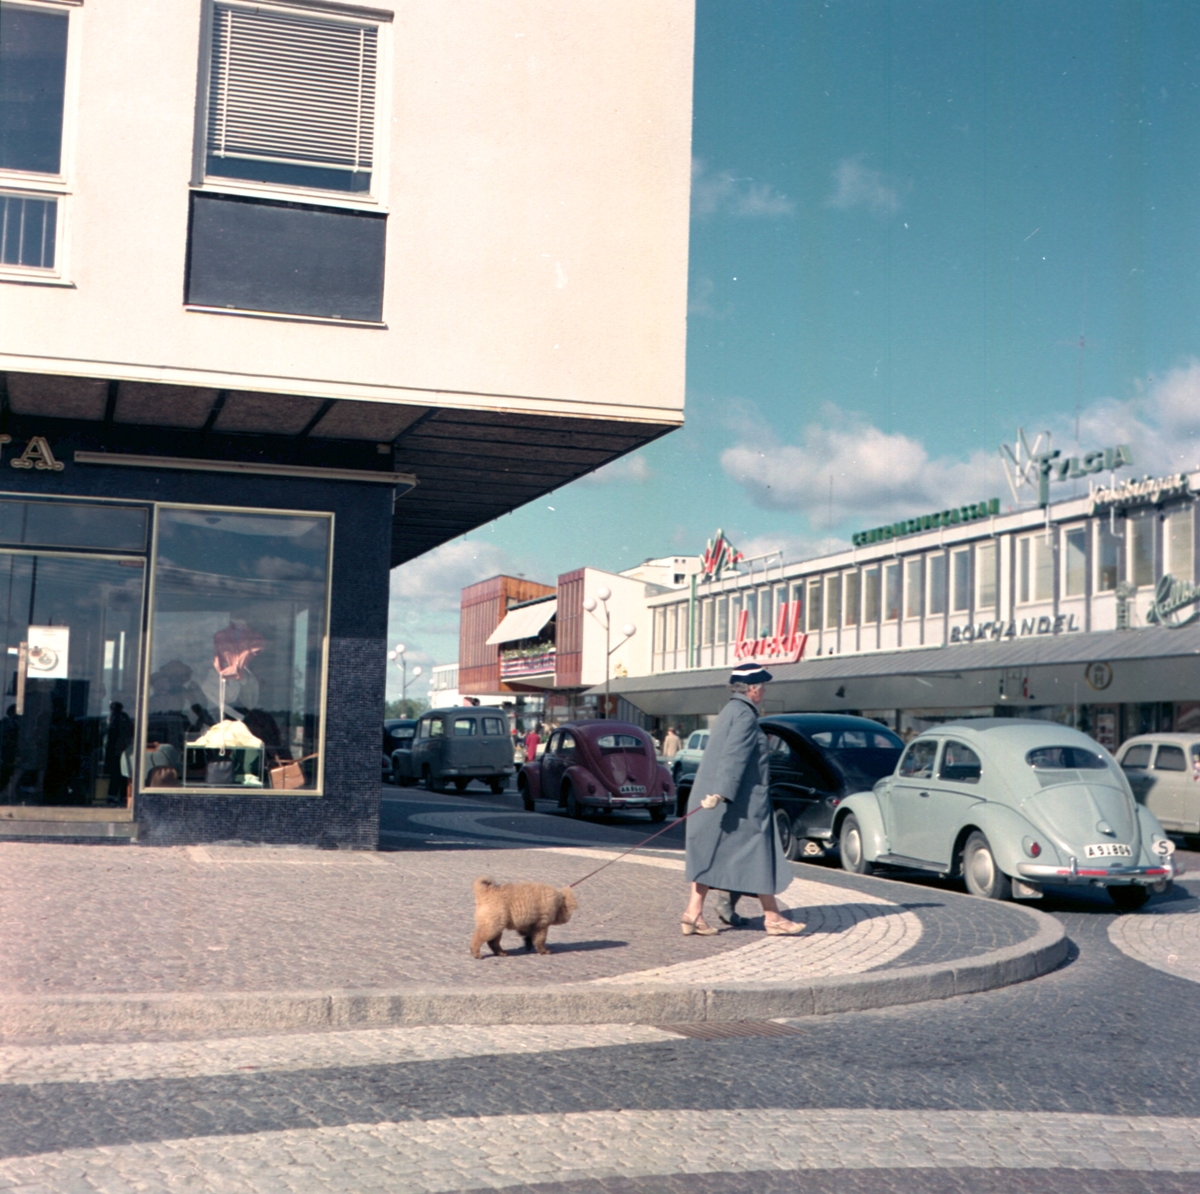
(983, 868)
(853, 847)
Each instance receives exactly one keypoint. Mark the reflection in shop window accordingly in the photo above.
(1109, 572)
(1180, 543)
(237, 638)
(937, 584)
(1076, 562)
(1141, 548)
(852, 585)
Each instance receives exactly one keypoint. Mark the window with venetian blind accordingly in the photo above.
(291, 98)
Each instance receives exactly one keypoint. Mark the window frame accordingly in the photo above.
(322, 742)
(1078, 531)
(28, 184)
(375, 199)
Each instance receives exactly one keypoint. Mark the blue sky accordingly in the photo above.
(904, 217)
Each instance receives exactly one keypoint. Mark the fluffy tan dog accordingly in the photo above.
(526, 908)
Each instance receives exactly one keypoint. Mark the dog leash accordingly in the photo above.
(677, 821)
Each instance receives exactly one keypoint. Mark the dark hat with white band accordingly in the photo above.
(750, 673)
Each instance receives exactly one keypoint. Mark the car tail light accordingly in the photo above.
(1032, 848)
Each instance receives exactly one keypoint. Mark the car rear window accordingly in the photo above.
(614, 742)
(403, 733)
(960, 764)
(492, 725)
(1137, 757)
(857, 740)
(1065, 758)
(1170, 758)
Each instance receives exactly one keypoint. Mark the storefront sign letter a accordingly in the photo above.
(37, 455)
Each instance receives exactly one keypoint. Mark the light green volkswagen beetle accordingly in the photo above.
(1009, 805)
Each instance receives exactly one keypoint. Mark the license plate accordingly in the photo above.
(1108, 850)
(632, 789)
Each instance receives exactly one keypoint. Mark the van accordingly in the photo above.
(455, 746)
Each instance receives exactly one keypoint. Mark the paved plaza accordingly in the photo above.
(1085, 1079)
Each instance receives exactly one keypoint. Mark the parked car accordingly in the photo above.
(1164, 772)
(817, 760)
(397, 737)
(688, 759)
(455, 746)
(1009, 804)
(598, 766)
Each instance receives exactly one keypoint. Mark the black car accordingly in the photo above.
(397, 735)
(818, 759)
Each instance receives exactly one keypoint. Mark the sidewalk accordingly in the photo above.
(115, 940)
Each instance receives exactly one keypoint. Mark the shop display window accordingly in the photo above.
(238, 629)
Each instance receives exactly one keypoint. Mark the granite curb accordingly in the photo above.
(80, 1017)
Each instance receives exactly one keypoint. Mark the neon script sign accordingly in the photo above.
(786, 645)
(719, 556)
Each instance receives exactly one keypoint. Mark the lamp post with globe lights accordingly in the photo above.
(396, 655)
(628, 630)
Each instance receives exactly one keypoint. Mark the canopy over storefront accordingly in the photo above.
(524, 622)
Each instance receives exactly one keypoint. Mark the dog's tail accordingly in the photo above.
(482, 885)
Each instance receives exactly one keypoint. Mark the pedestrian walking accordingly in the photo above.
(531, 744)
(735, 847)
(671, 744)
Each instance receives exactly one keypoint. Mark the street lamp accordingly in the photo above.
(628, 631)
(396, 655)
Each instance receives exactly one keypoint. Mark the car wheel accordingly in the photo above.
(397, 778)
(983, 876)
(658, 814)
(498, 785)
(1129, 899)
(526, 799)
(787, 839)
(681, 802)
(427, 780)
(574, 808)
(460, 785)
(850, 841)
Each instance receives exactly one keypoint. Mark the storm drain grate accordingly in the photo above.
(716, 1030)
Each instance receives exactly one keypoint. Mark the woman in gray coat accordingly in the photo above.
(735, 846)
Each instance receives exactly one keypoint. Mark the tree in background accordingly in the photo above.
(412, 707)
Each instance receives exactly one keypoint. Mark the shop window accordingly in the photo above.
(852, 586)
(291, 98)
(1075, 565)
(1035, 569)
(238, 628)
(870, 595)
(937, 583)
(1110, 570)
(891, 592)
(986, 557)
(814, 605)
(33, 73)
(960, 571)
(1180, 536)
(833, 602)
(1141, 547)
(914, 588)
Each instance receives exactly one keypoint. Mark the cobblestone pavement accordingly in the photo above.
(1085, 1080)
(1164, 939)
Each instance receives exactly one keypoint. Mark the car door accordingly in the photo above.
(799, 781)
(1172, 776)
(552, 767)
(905, 799)
(956, 789)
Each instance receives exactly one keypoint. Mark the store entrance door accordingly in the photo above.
(69, 668)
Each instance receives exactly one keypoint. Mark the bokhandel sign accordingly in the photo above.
(786, 645)
(979, 632)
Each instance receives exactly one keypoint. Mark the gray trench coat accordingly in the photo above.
(735, 846)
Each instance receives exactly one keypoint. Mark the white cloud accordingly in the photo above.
(858, 185)
(633, 468)
(434, 582)
(791, 547)
(700, 301)
(882, 475)
(723, 193)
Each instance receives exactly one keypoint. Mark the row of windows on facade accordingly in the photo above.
(960, 581)
(289, 103)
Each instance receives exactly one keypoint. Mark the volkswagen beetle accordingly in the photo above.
(598, 766)
(1009, 805)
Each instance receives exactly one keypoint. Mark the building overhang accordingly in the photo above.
(459, 461)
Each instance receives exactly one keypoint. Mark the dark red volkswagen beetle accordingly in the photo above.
(598, 765)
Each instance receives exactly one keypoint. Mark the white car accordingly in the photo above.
(1164, 772)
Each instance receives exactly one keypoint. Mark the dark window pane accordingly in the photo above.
(33, 61)
(61, 524)
(27, 231)
(284, 257)
(320, 178)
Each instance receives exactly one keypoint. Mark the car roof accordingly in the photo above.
(1019, 733)
(592, 727)
(392, 722)
(814, 723)
(1164, 736)
(490, 709)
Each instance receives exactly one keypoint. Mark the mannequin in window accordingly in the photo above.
(231, 679)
